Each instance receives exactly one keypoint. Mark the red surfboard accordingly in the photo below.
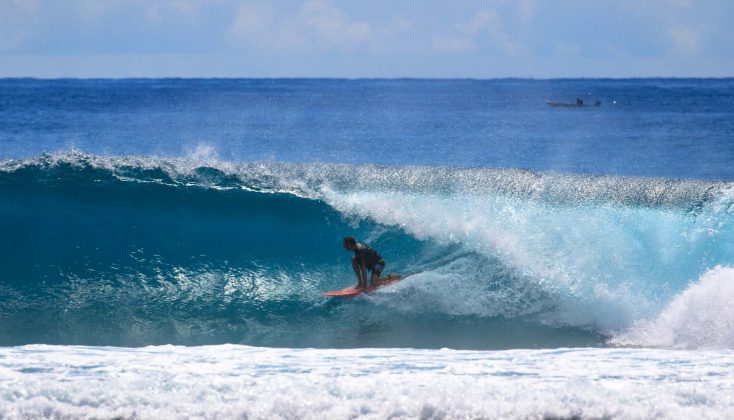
(352, 291)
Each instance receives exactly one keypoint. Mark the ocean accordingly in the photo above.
(164, 244)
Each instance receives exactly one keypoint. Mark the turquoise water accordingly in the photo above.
(139, 251)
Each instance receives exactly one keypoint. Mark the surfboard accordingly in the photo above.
(352, 291)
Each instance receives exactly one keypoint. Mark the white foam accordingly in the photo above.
(230, 381)
(600, 264)
(702, 317)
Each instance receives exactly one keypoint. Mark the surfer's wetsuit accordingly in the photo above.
(371, 259)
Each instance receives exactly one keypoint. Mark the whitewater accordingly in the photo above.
(143, 278)
(230, 381)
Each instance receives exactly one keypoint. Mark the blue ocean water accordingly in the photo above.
(676, 128)
(210, 212)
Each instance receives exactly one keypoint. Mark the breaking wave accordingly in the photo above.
(139, 250)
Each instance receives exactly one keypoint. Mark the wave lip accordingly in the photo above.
(205, 169)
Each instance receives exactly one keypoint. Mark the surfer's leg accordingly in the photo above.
(361, 279)
(376, 272)
(375, 279)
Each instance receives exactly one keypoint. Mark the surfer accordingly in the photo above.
(365, 258)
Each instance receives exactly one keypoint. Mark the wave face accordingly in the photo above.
(135, 251)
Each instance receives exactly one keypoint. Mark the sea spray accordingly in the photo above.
(701, 317)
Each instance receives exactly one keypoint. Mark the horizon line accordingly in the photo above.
(417, 78)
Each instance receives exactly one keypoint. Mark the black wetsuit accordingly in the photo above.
(369, 257)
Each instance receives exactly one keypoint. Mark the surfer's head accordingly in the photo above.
(350, 243)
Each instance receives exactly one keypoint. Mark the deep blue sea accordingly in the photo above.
(186, 228)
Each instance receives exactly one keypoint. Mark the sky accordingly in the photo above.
(379, 38)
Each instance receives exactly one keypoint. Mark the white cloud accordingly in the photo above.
(566, 50)
(686, 39)
(682, 4)
(485, 29)
(527, 10)
(11, 41)
(17, 18)
(318, 26)
(91, 11)
(400, 23)
(188, 7)
(251, 24)
(153, 14)
(327, 28)
(454, 44)
(27, 5)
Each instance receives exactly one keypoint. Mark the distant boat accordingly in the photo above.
(578, 104)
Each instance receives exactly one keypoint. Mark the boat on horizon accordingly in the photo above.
(578, 104)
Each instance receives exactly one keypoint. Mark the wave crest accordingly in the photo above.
(203, 168)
